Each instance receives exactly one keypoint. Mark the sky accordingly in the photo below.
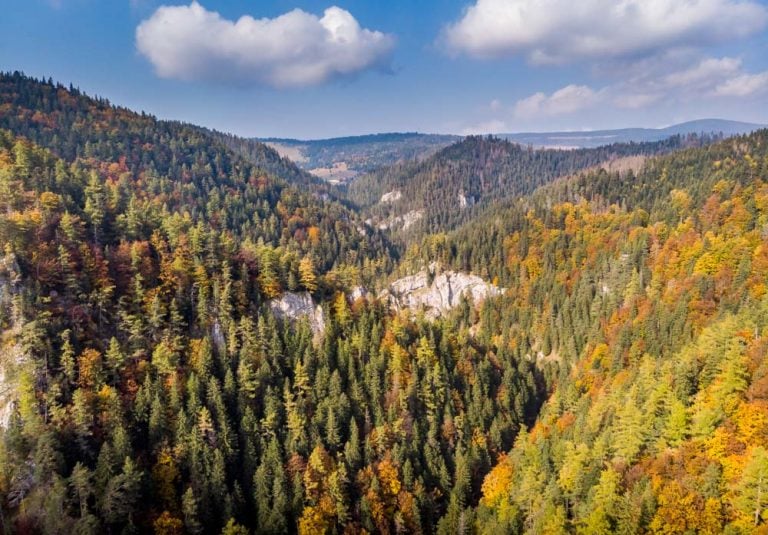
(312, 69)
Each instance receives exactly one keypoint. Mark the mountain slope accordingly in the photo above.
(158, 168)
(650, 316)
(146, 381)
(72, 124)
(265, 157)
(458, 182)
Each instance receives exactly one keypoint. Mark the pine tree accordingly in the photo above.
(189, 509)
(121, 497)
(95, 205)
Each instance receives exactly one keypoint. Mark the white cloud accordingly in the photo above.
(743, 85)
(569, 99)
(663, 82)
(707, 78)
(559, 31)
(293, 50)
(704, 74)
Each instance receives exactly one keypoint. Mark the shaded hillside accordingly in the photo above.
(453, 185)
(267, 158)
(159, 169)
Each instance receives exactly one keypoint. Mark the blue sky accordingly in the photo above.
(312, 69)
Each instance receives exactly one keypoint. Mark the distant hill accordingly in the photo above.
(341, 159)
(597, 138)
(448, 188)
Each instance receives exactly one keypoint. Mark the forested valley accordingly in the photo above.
(618, 383)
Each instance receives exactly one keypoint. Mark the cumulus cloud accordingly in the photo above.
(569, 99)
(560, 31)
(296, 49)
(708, 79)
(743, 85)
(703, 74)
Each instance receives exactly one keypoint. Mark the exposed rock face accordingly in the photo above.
(12, 358)
(465, 200)
(6, 401)
(406, 220)
(391, 196)
(358, 292)
(436, 292)
(293, 306)
(411, 218)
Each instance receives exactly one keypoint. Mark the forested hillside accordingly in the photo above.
(617, 384)
(268, 159)
(458, 183)
(646, 296)
(76, 125)
(151, 171)
(155, 391)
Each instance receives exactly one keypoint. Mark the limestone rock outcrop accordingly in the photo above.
(435, 291)
(294, 306)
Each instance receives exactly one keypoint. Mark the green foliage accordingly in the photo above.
(478, 175)
(157, 390)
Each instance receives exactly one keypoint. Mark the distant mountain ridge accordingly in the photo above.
(341, 159)
(596, 138)
(386, 137)
(445, 190)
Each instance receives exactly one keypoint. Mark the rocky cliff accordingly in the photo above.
(435, 291)
(12, 357)
(295, 306)
(391, 196)
(11, 362)
(432, 290)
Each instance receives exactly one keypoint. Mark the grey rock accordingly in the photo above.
(10, 363)
(358, 292)
(436, 292)
(411, 218)
(391, 196)
(12, 357)
(405, 221)
(294, 306)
